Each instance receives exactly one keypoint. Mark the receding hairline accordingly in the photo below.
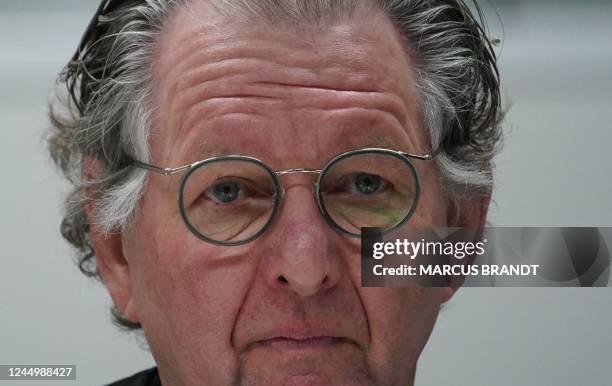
(226, 13)
(287, 14)
(412, 116)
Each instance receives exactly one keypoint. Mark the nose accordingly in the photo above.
(302, 256)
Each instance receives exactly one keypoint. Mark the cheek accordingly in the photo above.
(187, 297)
(400, 321)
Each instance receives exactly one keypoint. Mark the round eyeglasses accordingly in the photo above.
(231, 200)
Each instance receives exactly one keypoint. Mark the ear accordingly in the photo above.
(467, 213)
(110, 256)
(115, 271)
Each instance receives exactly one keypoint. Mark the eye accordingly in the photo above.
(364, 183)
(226, 191)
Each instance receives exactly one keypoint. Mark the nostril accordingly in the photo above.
(324, 280)
(282, 279)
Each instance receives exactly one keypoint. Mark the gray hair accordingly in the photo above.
(101, 110)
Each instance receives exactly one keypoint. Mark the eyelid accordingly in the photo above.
(243, 184)
(385, 183)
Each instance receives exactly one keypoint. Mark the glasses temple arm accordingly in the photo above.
(157, 169)
(423, 157)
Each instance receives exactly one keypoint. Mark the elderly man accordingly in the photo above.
(225, 154)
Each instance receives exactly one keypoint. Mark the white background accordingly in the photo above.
(555, 170)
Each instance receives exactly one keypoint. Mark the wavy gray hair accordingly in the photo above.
(101, 108)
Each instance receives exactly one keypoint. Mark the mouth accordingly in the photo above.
(298, 338)
(293, 343)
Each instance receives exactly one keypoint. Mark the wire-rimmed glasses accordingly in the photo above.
(233, 199)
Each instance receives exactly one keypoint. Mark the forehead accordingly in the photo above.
(359, 41)
(215, 75)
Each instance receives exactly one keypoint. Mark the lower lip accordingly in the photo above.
(307, 380)
(301, 344)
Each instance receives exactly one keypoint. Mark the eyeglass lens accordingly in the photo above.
(368, 190)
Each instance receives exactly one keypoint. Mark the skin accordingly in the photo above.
(287, 308)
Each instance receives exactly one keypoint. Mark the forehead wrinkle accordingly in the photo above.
(242, 77)
(214, 33)
(236, 67)
(198, 83)
(246, 97)
(220, 82)
(203, 115)
(216, 46)
(374, 131)
(249, 55)
(208, 110)
(214, 41)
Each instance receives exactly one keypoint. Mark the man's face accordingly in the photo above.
(287, 308)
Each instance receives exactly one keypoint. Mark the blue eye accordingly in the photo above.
(225, 191)
(357, 184)
(366, 183)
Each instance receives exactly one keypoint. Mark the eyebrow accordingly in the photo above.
(207, 150)
(386, 142)
(382, 142)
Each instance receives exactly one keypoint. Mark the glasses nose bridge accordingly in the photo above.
(300, 171)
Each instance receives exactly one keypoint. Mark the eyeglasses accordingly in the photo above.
(232, 200)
